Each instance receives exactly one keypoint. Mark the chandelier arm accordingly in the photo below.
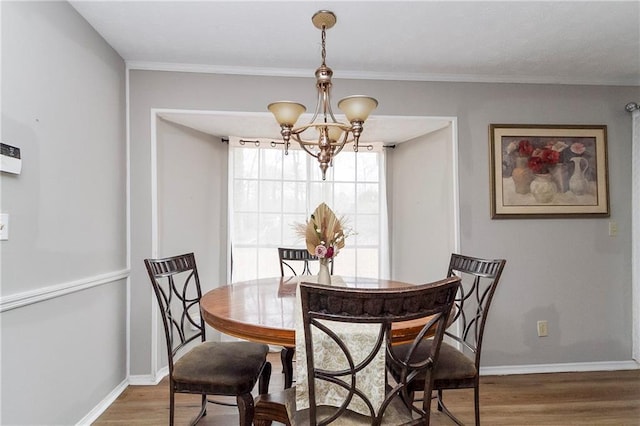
(339, 146)
(319, 101)
(301, 129)
(304, 144)
(327, 102)
(311, 153)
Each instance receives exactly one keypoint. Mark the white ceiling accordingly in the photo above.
(529, 42)
(387, 130)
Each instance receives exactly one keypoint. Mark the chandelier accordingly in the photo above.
(330, 135)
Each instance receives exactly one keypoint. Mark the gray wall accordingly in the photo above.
(567, 271)
(192, 199)
(63, 104)
(192, 208)
(420, 188)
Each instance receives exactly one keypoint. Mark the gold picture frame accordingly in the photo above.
(528, 161)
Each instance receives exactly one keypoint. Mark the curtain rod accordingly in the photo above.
(632, 106)
(273, 144)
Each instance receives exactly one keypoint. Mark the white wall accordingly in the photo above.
(63, 104)
(421, 196)
(567, 271)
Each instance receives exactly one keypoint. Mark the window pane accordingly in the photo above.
(368, 197)
(270, 196)
(345, 165)
(294, 198)
(268, 262)
(245, 228)
(289, 236)
(270, 231)
(320, 193)
(368, 230)
(270, 164)
(245, 262)
(345, 262)
(245, 195)
(368, 166)
(368, 263)
(345, 198)
(245, 162)
(295, 165)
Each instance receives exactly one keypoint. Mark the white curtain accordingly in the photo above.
(385, 243)
(635, 226)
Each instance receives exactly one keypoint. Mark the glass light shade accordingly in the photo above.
(286, 112)
(357, 108)
(335, 133)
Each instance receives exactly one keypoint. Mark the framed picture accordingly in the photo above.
(548, 171)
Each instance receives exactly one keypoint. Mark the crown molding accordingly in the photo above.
(370, 75)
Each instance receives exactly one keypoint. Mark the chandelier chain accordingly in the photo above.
(324, 51)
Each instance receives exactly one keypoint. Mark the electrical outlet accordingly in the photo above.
(543, 329)
(613, 229)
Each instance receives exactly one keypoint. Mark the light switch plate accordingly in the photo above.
(4, 226)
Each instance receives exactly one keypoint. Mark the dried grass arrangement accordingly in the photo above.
(324, 233)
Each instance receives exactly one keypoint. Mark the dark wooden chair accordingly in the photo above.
(195, 365)
(460, 368)
(324, 308)
(300, 258)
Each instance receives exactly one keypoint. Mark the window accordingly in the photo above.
(270, 192)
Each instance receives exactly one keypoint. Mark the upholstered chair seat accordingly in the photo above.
(452, 364)
(229, 368)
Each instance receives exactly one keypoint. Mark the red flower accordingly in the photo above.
(329, 252)
(550, 156)
(535, 164)
(525, 148)
(542, 158)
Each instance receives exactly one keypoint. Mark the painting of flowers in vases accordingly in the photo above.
(548, 171)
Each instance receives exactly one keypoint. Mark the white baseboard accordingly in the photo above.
(148, 379)
(559, 368)
(139, 380)
(93, 415)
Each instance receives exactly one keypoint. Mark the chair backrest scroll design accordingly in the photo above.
(479, 279)
(176, 285)
(367, 306)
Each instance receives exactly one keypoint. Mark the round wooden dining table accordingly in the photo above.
(262, 311)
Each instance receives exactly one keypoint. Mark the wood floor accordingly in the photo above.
(596, 398)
